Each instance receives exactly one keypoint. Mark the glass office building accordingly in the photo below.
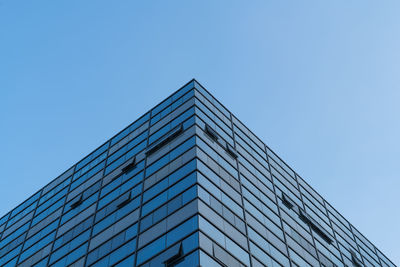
(187, 184)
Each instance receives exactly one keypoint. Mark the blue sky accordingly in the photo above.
(318, 81)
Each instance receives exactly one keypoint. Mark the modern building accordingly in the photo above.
(187, 184)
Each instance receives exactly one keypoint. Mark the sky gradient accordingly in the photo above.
(318, 81)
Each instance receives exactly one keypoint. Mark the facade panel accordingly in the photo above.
(187, 184)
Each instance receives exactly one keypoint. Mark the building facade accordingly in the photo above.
(187, 184)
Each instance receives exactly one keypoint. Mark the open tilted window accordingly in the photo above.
(287, 201)
(315, 226)
(164, 140)
(211, 132)
(77, 201)
(176, 257)
(355, 259)
(130, 166)
(231, 151)
(124, 200)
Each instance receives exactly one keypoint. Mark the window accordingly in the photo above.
(355, 259)
(173, 154)
(158, 245)
(77, 202)
(73, 233)
(106, 218)
(133, 142)
(73, 256)
(189, 260)
(167, 138)
(315, 226)
(182, 230)
(231, 151)
(173, 191)
(151, 250)
(211, 132)
(114, 244)
(176, 256)
(206, 260)
(126, 157)
(124, 200)
(286, 201)
(130, 166)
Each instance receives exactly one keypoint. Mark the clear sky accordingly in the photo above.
(318, 81)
